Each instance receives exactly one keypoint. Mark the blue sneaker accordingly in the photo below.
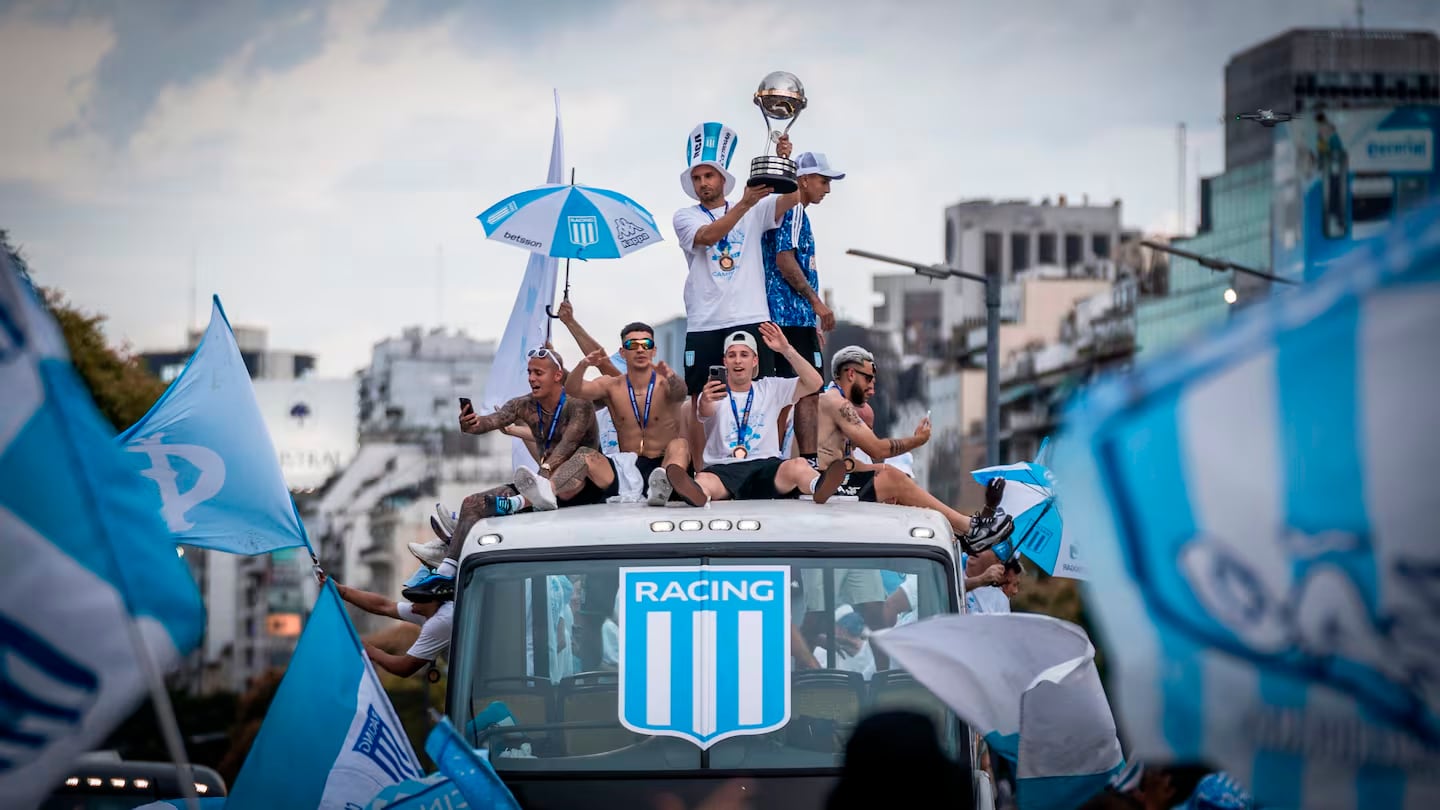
(433, 588)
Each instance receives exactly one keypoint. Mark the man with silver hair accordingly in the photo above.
(841, 430)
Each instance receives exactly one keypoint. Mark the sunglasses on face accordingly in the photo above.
(636, 344)
(868, 377)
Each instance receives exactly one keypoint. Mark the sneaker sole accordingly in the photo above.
(424, 555)
(830, 481)
(684, 485)
(978, 545)
(413, 595)
(529, 486)
(660, 488)
(446, 519)
(435, 526)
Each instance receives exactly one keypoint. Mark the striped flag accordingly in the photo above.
(331, 738)
(89, 579)
(1265, 567)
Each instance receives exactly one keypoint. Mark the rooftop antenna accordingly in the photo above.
(1180, 189)
(194, 282)
(440, 285)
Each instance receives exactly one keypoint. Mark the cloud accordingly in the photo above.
(315, 158)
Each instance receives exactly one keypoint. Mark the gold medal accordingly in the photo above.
(726, 263)
(739, 452)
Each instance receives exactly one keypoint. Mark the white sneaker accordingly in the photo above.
(536, 490)
(431, 553)
(447, 518)
(660, 487)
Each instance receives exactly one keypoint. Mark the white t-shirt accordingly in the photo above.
(434, 631)
(716, 298)
(772, 394)
(989, 599)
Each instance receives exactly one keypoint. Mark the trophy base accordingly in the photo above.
(776, 172)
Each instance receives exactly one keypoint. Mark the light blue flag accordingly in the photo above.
(331, 738)
(204, 446)
(433, 792)
(529, 326)
(87, 578)
(467, 769)
(1261, 507)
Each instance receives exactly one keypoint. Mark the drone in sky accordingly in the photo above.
(1266, 118)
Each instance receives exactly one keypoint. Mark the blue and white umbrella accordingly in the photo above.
(571, 222)
(1039, 532)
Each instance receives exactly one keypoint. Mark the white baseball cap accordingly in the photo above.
(816, 163)
(741, 338)
(710, 144)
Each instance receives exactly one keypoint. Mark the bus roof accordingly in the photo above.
(722, 522)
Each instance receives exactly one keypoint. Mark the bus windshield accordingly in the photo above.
(620, 685)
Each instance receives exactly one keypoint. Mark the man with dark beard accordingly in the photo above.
(841, 430)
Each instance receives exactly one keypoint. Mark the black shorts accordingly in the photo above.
(752, 480)
(706, 349)
(859, 485)
(591, 494)
(807, 342)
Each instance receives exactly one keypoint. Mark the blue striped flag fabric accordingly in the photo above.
(1264, 568)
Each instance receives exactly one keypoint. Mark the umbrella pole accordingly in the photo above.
(566, 296)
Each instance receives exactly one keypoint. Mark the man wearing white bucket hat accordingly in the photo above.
(725, 288)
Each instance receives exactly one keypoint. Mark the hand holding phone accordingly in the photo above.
(465, 406)
(719, 374)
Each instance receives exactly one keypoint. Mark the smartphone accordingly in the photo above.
(465, 405)
(718, 374)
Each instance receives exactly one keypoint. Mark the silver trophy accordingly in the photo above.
(780, 97)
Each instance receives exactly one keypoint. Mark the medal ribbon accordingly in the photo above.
(742, 426)
(724, 244)
(554, 421)
(635, 406)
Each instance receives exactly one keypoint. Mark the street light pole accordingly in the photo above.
(991, 280)
(1214, 263)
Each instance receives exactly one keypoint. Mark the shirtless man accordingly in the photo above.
(646, 406)
(841, 430)
(573, 472)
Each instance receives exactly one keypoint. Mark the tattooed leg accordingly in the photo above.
(472, 510)
(569, 478)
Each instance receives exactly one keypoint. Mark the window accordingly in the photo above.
(1100, 245)
(993, 246)
(1074, 249)
(1019, 251)
(566, 701)
(1047, 248)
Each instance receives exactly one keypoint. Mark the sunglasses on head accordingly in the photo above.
(635, 344)
(544, 354)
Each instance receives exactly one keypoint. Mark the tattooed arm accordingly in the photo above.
(861, 436)
(674, 383)
(579, 417)
(508, 414)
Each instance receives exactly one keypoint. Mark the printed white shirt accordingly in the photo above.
(772, 394)
(716, 298)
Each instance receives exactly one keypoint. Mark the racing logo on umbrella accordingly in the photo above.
(584, 231)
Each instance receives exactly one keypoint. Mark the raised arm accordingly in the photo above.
(588, 345)
(508, 414)
(715, 231)
(577, 387)
(807, 378)
(674, 389)
(365, 600)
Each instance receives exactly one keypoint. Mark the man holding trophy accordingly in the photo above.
(725, 286)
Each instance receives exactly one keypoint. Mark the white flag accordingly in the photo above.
(529, 326)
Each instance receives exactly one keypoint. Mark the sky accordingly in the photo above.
(319, 165)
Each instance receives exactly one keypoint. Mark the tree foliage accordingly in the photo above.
(121, 385)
